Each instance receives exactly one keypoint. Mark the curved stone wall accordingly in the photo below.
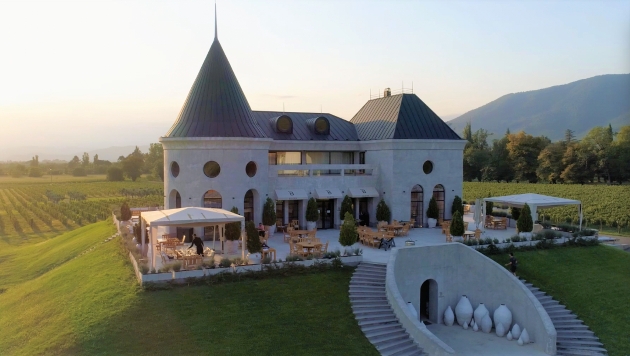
(457, 270)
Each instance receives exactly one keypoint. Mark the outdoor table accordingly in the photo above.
(309, 245)
(495, 222)
(469, 234)
(271, 252)
(395, 228)
(299, 232)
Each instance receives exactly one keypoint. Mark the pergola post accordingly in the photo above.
(243, 242)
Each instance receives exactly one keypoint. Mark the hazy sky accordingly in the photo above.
(95, 74)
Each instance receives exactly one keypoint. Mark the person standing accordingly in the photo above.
(513, 263)
(196, 241)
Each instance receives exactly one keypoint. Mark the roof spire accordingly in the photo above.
(216, 32)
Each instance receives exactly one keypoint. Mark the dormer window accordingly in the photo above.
(319, 125)
(282, 124)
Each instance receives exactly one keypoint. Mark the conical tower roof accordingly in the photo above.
(216, 105)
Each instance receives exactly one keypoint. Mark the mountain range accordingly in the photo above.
(579, 106)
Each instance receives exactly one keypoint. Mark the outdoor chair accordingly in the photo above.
(386, 244)
(449, 238)
(295, 224)
(405, 230)
(324, 248)
(412, 223)
(287, 234)
(445, 227)
(477, 234)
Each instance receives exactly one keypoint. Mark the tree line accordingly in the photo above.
(601, 156)
(131, 166)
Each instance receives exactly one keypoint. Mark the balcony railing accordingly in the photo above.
(319, 170)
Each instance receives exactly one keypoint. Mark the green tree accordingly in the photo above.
(576, 165)
(550, 166)
(125, 212)
(348, 233)
(346, 207)
(269, 212)
(35, 172)
(35, 161)
(524, 222)
(620, 151)
(569, 136)
(74, 163)
(154, 161)
(523, 151)
(85, 160)
(476, 155)
(233, 230)
(132, 166)
(115, 174)
(433, 212)
(598, 143)
(382, 212)
(457, 224)
(499, 166)
(457, 206)
(311, 210)
(489, 207)
(79, 172)
(253, 240)
(18, 171)
(515, 212)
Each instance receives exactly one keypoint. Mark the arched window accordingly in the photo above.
(417, 201)
(178, 201)
(248, 206)
(212, 199)
(174, 200)
(438, 194)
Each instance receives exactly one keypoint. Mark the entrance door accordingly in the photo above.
(428, 301)
(364, 216)
(326, 215)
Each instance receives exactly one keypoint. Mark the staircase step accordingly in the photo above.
(578, 353)
(571, 327)
(558, 312)
(366, 288)
(395, 346)
(568, 322)
(385, 340)
(575, 333)
(361, 302)
(579, 343)
(378, 321)
(368, 307)
(412, 349)
(380, 334)
(563, 317)
(367, 278)
(582, 348)
(369, 329)
(365, 298)
(379, 315)
(549, 308)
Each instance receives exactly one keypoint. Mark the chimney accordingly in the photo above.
(388, 92)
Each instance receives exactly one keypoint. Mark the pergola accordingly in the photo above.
(535, 202)
(188, 217)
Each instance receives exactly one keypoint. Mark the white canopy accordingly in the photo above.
(535, 201)
(291, 194)
(190, 217)
(367, 192)
(330, 193)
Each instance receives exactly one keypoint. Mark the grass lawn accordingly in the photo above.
(92, 305)
(594, 282)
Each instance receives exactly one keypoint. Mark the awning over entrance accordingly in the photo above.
(291, 194)
(331, 193)
(363, 193)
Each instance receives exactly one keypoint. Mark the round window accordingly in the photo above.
(251, 168)
(174, 169)
(321, 125)
(211, 169)
(427, 167)
(284, 124)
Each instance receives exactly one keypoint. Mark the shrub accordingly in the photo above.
(495, 241)
(266, 260)
(457, 206)
(269, 212)
(177, 266)
(125, 212)
(433, 212)
(516, 238)
(312, 214)
(294, 258)
(346, 207)
(233, 230)
(115, 174)
(457, 224)
(79, 172)
(226, 262)
(348, 234)
(516, 213)
(35, 172)
(253, 240)
(489, 207)
(525, 223)
(382, 211)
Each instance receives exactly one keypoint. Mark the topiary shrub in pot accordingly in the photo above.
(348, 233)
(312, 214)
(233, 230)
(525, 225)
(382, 212)
(457, 226)
(457, 205)
(269, 215)
(433, 213)
(489, 207)
(346, 207)
(253, 240)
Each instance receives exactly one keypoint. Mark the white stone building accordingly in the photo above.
(220, 153)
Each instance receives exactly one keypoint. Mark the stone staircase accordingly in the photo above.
(374, 315)
(574, 337)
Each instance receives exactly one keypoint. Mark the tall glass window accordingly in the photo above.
(280, 213)
(288, 158)
(417, 203)
(294, 210)
(438, 194)
(212, 199)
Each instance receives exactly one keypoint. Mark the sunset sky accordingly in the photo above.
(94, 74)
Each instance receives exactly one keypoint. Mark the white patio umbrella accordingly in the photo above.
(477, 214)
(483, 213)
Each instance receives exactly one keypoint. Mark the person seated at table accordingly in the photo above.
(196, 241)
(261, 230)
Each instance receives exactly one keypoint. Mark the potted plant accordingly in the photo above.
(516, 213)
(433, 213)
(269, 215)
(233, 230)
(348, 233)
(525, 225)
(253, 239)
(346, 207)
(312, 214)
(382, 212)
(457, 226)
(457, 206)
